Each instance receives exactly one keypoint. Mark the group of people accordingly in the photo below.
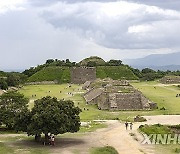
(130, 125)
(177, 95)
(51, 139)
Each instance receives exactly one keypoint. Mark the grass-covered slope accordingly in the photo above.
(61, 74)
(115, 72)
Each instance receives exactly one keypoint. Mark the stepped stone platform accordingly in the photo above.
(111, 94)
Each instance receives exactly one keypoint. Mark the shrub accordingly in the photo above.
(104, 150)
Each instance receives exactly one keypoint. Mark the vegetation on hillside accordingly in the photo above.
(115, 72)
(92, 61)
(59, 70)
(59, 74)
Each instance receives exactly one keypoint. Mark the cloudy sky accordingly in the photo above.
(32, 31)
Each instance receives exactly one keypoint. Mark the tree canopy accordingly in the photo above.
(11, 104)
(50, 115)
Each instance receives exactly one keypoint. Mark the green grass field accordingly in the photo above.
(163, 95)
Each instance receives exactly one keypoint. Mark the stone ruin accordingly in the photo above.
(111, 94)
(170, 80)
(80, 75)
(2, 92)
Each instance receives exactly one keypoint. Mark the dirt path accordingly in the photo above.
(114, 135)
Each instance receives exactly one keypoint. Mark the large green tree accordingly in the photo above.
(11, 104)
(50, 115)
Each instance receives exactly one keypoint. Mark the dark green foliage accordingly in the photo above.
(61, 74)
(50, 115)
(115, 72)
(151, 76)
(3, 84)
(104, 150)
(136, 72)
(147, 70)
(11, 104)
(49, 61)
(3, 74)
(113, 62)
(14, 79)
(33, 70)
(93, 60)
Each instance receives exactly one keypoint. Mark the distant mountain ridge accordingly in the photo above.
(169, 61)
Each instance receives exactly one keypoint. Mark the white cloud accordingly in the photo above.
(10, 5)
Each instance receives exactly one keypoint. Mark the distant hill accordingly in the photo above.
(157, 61)
(162, 68)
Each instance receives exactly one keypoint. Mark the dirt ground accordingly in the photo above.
(114, 135)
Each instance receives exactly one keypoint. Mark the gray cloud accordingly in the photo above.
(67, 29)
(168, 4)
(117, 28)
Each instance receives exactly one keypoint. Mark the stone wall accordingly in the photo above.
(128, 101)
(42, 83)
(80, 75)
(170, 80)
(122, 101)
(103, 101)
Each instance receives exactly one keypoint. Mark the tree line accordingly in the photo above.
(148, 74)
(11, 79)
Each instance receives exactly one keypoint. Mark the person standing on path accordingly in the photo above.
(130, 125)
(126, 125)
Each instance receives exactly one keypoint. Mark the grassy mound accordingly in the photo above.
(60, 74)
(104, 150)
(115, 72)
(95, 59)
